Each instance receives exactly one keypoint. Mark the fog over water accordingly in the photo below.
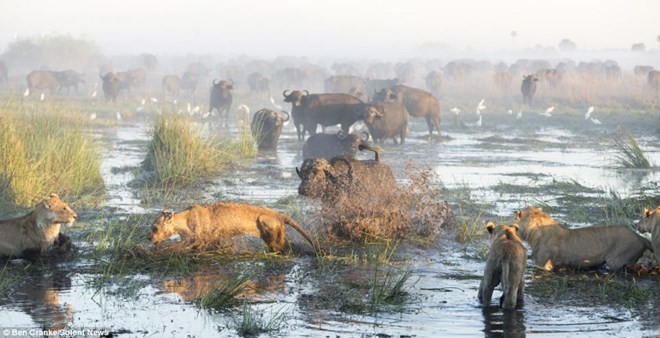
(338, 28)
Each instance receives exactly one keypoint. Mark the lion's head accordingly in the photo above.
(497, 231)
(163, 227)
(531, 217)
(53, 210)
(650, 219)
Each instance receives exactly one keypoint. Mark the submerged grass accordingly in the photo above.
(252, 322)
(45, 150)
(225, 294)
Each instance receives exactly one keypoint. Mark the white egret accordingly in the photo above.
(595, 121)
(510, 112)
(154, 100)
(92, 116)
(118, 116)
(519, 115)
(479, 121)
(588, 113)
(94, 94)
(272, 100)
(26, 92)
(43, 96)
(455, 110)
(550, 109)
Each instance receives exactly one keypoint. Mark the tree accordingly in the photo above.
(51, 51)
(566, 45)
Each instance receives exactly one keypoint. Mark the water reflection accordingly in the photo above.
(199, 285)
(503, 323)
(38, 296)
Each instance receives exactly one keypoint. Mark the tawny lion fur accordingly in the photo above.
(650, 222)
(589, 247)
(35, 232)
(506, 264)
(207, 223)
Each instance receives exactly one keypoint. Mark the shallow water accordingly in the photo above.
(444, 284)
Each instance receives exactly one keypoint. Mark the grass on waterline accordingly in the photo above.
(226, 294)
(629, 153)
(252, 322)
(179, 156)
(43, 151)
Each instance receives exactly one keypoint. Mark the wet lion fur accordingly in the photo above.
(553, 244)
(222, 220)
(650, 222)
(31, 235)
(506, 264)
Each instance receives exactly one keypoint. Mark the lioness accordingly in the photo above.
(650, 222)
(32, 234)
(506, 264)
(206, 223)
(554, 244)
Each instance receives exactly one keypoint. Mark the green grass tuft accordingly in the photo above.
(629, 153)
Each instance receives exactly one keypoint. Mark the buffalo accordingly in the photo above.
(348, 84)
(386, 120)
(340, 144)
(342, 177)
(418, 103)
(220, 98)
(549, 76)
(42, 79)
(189, 81)
(309, 110)
(132, 78)
(266, 128)
(528, 88)
(258, 83)
(653, 79)
(373, 86)
(112, 83)
(641, 70)
(69, 78)
(434, 82)
(4, 73)
(171, 85)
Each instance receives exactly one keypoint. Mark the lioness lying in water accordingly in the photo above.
(506, 264)
(650, 222)
(589, 247)
(31, 235)
(207, 223)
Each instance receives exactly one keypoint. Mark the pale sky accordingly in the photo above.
(332, 28)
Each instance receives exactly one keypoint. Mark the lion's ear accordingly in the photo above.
(514, 226)
(647, 212)
(167, 214)
(519, 214)
(490, 226)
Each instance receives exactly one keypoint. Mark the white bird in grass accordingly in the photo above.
(196, 110)
(550, 109)
(26, 93)
(244, 112)
(94, 94)
(118, 116)
(547, 112)
(92, 116)
(143, 101)
(519, 115)
(189, 108)
(277, 106)
(455, 110)
(43, 96)
(588, 113)
(595, 121)
(206, 115)
(154, 100)
(481, 106)
(479, 121)
(510, 112)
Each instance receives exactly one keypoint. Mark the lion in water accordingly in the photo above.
(31, 235)
(207, 223)
(650, 222)
(506, 264)
(553, 244)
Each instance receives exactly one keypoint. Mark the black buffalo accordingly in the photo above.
(69, 78)
(418, 103)
(258, 83)
(310, 110)
(385, 120)
(220, 98)
(340, 144)
(374, 86)
(112, 84)
(266, 128)
(528, 88)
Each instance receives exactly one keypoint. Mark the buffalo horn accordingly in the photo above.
(341, 135)
(298, 172)
(215, 82)
(306, 92)
(365, 136)
(284, 93)
(287, 116)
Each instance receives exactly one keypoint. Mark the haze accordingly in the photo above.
(338, 28)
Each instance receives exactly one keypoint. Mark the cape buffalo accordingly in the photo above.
(373, 86)
(343, 177)
(69, 78)
(386, 120)
(348, 84)
(549, 76)
(640, 70)
(4, 73)
(258, 83)
(171, 86)
(309, 110)
(220, 98)
(266, 128)
(340, 144)
(434, 82)
(132, 78)
(528, 88)
(111, 86)
(42, 79)
(418, 103)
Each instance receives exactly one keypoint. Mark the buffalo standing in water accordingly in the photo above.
(528, 88)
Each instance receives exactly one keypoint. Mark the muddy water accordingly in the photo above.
(444, 279)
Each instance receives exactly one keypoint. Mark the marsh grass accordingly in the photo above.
(9, 279)
(252, 322)
(629, 153)
(43, 151)
(385, 290)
